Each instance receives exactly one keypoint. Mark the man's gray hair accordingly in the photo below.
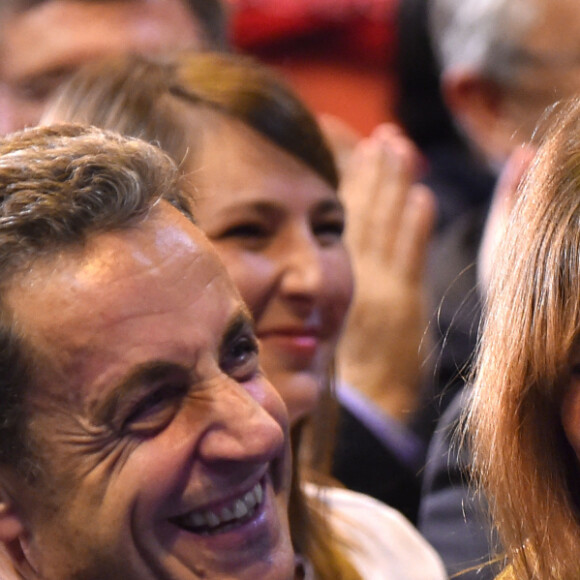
(480, 35)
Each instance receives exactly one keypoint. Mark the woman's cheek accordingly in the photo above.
(340, 284)
(570, 414)
(252, 273)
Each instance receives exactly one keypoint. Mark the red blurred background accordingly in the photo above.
(337, 54)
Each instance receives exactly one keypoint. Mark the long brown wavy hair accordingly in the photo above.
(522, 457)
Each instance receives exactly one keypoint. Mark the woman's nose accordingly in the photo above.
(302, 274)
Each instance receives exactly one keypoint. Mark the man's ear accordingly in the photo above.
(479, 106)
(11, 522)
(12, 533)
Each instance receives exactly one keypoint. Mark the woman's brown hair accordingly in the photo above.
(532, 322)
(142, 98)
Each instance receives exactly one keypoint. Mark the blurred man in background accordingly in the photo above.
(42, 42)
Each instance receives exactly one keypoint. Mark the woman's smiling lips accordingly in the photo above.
(302, 342)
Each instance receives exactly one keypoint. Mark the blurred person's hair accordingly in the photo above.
(521, 454)
(481, 35)
(212, 16)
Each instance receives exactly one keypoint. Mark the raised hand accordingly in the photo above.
(389, 223)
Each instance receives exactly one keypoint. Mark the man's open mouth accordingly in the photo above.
(228, 517)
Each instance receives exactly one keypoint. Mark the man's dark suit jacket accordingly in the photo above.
(452, 517)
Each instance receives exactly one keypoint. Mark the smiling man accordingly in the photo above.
(139, 437)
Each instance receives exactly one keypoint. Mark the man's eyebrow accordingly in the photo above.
(142, 377)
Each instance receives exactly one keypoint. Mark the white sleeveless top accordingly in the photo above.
(382, 543)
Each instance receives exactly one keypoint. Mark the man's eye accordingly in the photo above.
(240, 358)
(156, 410)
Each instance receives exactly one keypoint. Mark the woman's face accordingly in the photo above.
(278, 227)
(570, 410)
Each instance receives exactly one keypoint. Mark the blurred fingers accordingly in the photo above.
(417, 224)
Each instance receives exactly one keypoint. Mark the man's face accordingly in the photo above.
(548, 60)
(163, 450)
(42, 46)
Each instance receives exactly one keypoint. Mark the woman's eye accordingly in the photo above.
(240, 358)
(253, 236)
(155, 411)
(248, 230)
(329, 232)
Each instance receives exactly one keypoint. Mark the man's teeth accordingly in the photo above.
(237, 510)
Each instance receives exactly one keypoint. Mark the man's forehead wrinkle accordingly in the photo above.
(93, 286)
(101, 319)
(159, 276)
(123, 260)
(111, 258)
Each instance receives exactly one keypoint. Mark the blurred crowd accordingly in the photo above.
(289, 289)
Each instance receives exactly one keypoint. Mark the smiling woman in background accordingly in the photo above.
(266, 196)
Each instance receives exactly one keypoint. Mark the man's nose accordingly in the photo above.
(248, 424)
